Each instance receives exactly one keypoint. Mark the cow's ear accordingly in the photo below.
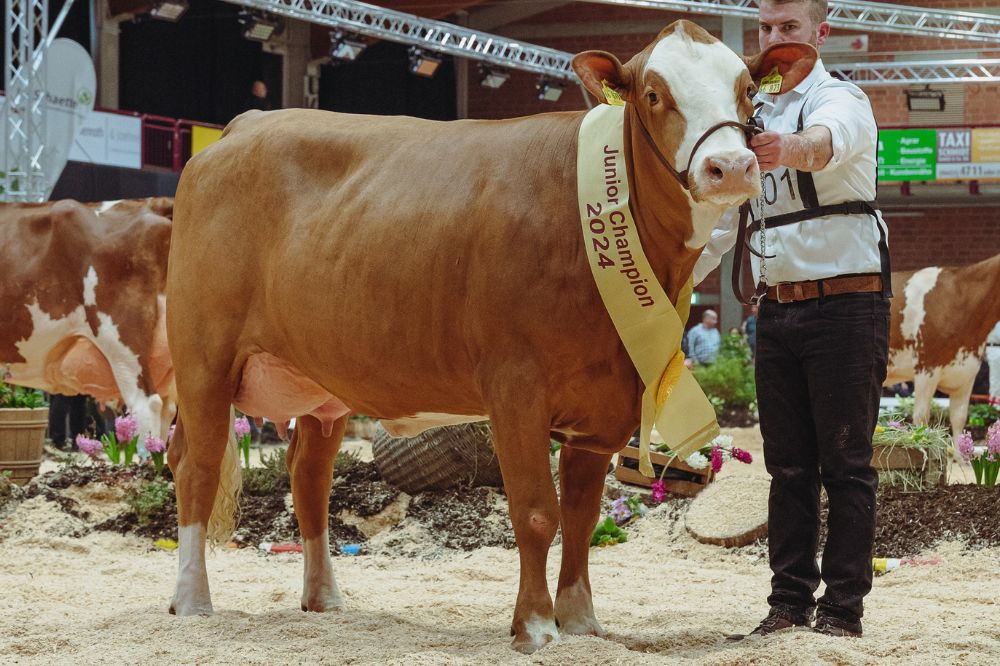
(596, 67)
(794, 61)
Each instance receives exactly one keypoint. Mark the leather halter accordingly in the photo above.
(749, 130)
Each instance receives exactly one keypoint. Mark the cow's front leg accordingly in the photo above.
(522, 444)
(310, 464)
(581, 483)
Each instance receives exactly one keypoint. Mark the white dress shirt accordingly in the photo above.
(827, 246)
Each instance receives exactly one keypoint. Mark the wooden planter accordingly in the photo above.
(22, 433)
(929, 469)
(680, 478)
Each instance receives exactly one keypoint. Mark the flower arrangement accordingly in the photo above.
(985, 460)
(891, 433)
(121, 446)
(156, 448)
(241, 427)
(716, 453)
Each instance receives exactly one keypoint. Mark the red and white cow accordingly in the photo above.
(433, 272)
(941, 318)
(82, 306)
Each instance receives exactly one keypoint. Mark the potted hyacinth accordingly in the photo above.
(985, 460)
(714, 455)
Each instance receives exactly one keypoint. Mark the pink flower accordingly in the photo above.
(896, 425)
(716, 458)
(125, 428)
(155, 444)
(170, 433)
(91, 447)
(659, 491)
(965, 446)
(241, 426)
(741, 455)
(993, 441)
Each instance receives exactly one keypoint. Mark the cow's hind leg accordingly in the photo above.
(521, 438)
(581, 482)
(199, 457)
(310, 463)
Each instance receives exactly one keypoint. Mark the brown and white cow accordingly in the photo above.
(82, 307)
(434, 272)
(941, 318)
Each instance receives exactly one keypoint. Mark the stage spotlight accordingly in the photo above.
(492, 77)
(168, 10)
(256, 27)
(925, 100)
(549, 91)
(345, 47)
(424, 64)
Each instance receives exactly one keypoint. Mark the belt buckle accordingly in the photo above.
(786, 292)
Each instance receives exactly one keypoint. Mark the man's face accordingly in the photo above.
(710, 320)
(259, 89)
(789, 22)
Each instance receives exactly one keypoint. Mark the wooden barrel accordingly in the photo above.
(22, 433)
(440, 458)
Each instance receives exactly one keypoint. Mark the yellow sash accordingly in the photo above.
(646, 321)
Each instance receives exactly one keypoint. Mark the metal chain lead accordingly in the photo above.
(763, 240)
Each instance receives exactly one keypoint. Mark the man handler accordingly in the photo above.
(822, 330)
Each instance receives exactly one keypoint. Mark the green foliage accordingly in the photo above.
(269, 479)
(729, 382)
(554, 447)
(148, 498)
(359, 417)
(21, 397)
(345, 462)
(608, 534)
(982, 414)
(904, 412)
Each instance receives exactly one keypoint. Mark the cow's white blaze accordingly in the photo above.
(191, 596)
(107, 205)
(411, 426)
(915, 291)
(90, 287)
(702, 79)
(541, 630)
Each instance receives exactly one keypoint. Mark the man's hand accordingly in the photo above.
(810, 150)
(768, 146)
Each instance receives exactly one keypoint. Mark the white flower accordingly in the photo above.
(697, 460)
(725, 441)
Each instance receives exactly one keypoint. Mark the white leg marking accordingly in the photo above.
(924, 385)
(575, 612)
(541, 631)
(89, 287)
(192, 596)
(319, 587)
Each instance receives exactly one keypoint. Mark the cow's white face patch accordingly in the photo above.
(915, 291)
(702, 79)
(90, 287)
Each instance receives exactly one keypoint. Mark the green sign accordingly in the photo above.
(908, 154)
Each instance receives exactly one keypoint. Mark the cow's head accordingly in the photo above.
(685, 83)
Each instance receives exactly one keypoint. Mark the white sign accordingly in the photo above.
(70, 87)
(842, 44)
(109, 138)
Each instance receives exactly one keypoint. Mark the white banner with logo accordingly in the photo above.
(109, 138)
(70, 88)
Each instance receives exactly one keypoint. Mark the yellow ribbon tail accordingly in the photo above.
(669, 380)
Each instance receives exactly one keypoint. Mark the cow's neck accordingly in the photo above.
(662, 210)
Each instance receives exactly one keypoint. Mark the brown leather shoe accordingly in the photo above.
(835, 626)
(777, 620)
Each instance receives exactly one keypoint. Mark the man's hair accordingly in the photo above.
(818, 9)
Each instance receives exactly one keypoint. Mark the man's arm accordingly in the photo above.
(809, 150)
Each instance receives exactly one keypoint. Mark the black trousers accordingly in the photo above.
(820, 367)
(63, 408)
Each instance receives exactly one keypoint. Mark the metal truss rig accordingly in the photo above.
(854, 14)
(918, 73)
(26, 23)
(433, 35)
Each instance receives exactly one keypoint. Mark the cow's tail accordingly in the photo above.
(225, 511)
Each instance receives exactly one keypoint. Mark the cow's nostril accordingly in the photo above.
(716, 173)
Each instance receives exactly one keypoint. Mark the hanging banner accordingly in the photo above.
(111, 139)
(70, 88)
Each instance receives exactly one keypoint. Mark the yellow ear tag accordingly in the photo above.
(610, 94)
(771, 84)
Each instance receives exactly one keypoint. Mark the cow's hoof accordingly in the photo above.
(187, 609)
(323, 603)
(535, 634)
(580, 626)
(574, 612)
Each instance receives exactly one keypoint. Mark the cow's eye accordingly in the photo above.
(653, 99)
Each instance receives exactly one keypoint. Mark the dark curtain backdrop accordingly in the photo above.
(380, 82)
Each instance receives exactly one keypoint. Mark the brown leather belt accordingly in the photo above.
(790, 292)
